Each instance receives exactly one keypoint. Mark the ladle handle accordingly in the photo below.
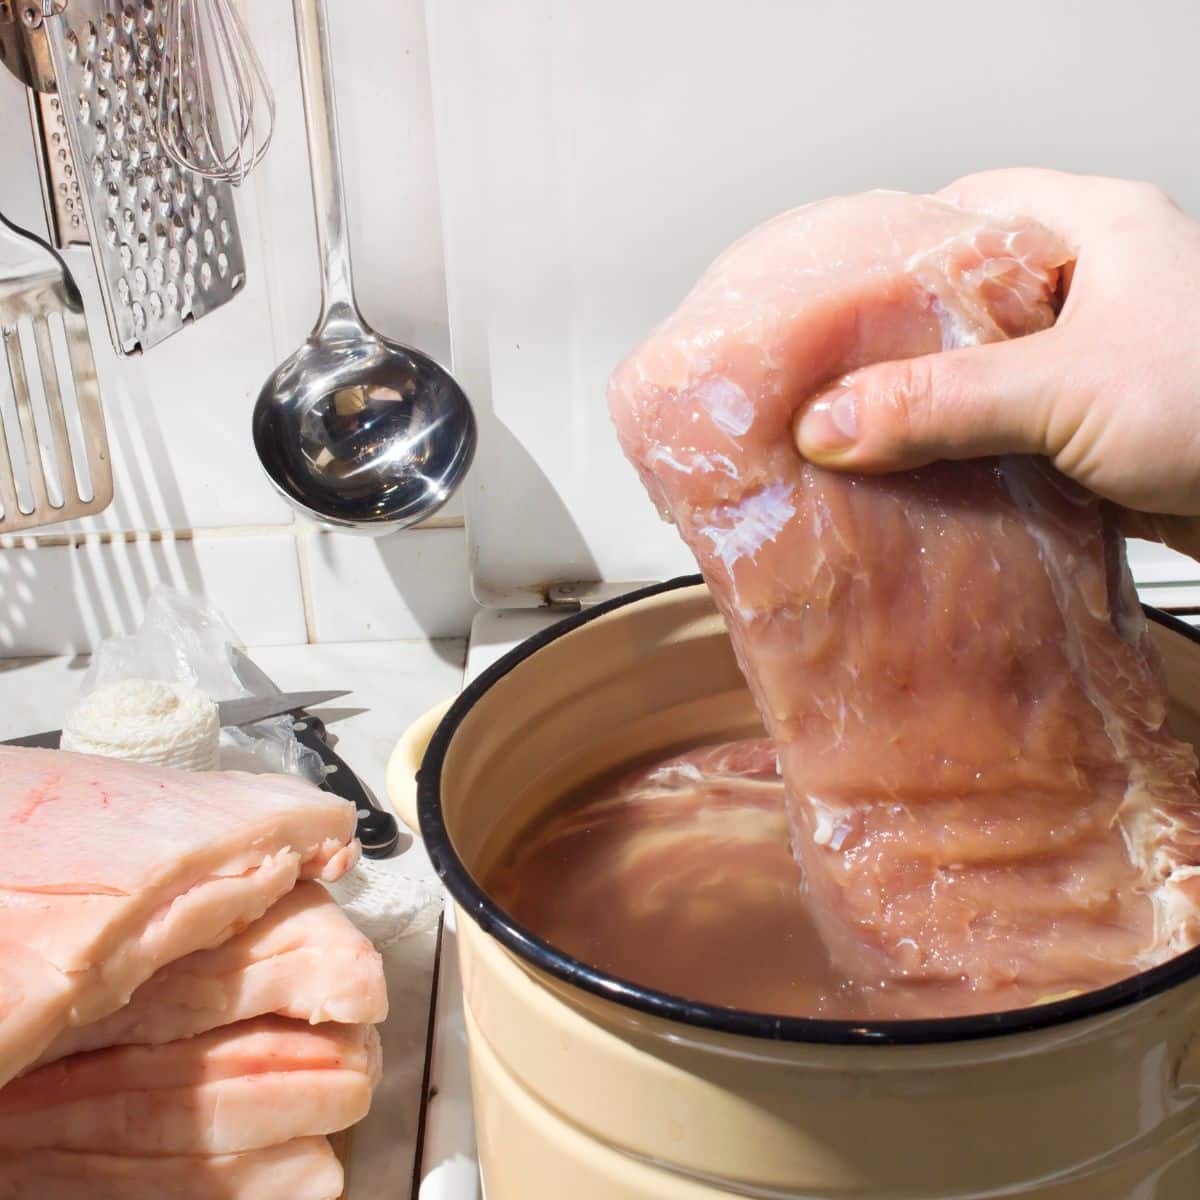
(324, 153)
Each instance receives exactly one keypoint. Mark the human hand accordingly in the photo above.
(1111, 393)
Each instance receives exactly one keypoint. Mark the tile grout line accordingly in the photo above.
(306, 592)
(22, 541)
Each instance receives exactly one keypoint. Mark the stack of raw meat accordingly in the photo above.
(184, 1010)
(968, 709)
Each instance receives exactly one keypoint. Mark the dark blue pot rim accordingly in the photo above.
(541, 954)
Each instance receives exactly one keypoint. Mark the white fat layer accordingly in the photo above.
(831, 825)
(747, 526)
(729, 407)
(822, 822)
(705, 464)
(675, 771)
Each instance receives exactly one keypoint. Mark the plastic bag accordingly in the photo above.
(183, 640)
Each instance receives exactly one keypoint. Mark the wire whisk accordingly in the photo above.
(216, 110)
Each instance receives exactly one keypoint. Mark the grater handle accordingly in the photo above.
(338, 306)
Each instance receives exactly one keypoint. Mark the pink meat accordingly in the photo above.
(110, 870)
(952, 661)
(242, 1087)
(304, 959)
(306, 1169)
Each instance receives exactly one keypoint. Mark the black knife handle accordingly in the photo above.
(378, 831)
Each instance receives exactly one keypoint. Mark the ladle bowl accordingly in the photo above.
(363, 433)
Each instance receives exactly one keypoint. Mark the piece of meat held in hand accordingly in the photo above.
(242, 1087)
(303, 959)
(109, 870)
(306, 1169)
(968, 708)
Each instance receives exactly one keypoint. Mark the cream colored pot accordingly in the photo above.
(588, 1087)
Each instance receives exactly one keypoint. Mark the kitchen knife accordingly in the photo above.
(244, 711)
(378, 831)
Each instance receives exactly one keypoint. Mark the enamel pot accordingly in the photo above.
(590, 1087)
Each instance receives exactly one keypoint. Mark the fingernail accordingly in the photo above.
(830, 425)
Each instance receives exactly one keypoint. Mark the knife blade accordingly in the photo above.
(243, 711)
(258, 708)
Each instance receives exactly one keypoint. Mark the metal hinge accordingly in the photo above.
(574, 597)
(24, 49)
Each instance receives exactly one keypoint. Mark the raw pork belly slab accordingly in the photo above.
(243, 1087)
(109, 870)
(303, 959)
(306, 1169)
(952, 661)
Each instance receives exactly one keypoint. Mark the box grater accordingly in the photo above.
(165, 240)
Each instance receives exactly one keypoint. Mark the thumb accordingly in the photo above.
(968, 403)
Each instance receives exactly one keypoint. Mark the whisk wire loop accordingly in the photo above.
(216, 109)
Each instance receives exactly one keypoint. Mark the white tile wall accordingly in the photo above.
(192, 507)
(189, 491)
(65, 598)
(1165, 578)
(397, 587)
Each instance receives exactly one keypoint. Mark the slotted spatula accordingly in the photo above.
(54, 463)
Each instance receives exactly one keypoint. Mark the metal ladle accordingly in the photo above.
(355, 430)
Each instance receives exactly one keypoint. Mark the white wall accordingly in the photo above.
(593, 156)
(192, 507)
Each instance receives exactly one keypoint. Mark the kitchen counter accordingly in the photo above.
(392, 683)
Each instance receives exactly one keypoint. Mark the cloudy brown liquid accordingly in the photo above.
(679, 876)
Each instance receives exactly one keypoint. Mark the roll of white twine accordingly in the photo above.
(148, 721)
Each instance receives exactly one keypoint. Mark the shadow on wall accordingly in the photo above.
(146, 492)
(17, 664)
(502, 455)
(68, 590)
(407, 586)
(65, 598)
(443, 608)
(418, 583)
(90, 579)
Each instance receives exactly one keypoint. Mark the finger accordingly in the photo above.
(999, 399)
(1073, 206)
(1051, 197)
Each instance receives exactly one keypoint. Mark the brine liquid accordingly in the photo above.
(679, 876)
